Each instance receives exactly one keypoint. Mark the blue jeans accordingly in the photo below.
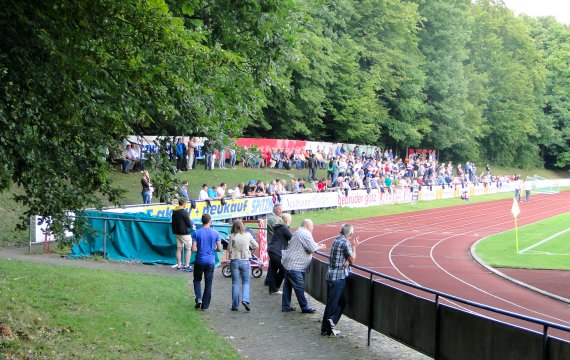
(222, 160)
(146, 197)
(335, 303)
(232, 160)
(208, 271)
(312, 173)
(240, 269)
(294, 280)
(209, 161)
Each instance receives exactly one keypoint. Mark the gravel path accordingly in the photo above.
(265, 332)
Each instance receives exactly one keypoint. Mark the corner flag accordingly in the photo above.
(515, 210)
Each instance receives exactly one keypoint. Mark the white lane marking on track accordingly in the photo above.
(452, 210)
(486, 292)
(437, 264)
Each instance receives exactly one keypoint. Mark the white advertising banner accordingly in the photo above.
(359, 198)
(309, 201)
(254, 206)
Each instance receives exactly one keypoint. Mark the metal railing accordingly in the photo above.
(439, 296)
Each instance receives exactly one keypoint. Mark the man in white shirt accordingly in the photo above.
(527, 185)
(203, 195)
(221, 191)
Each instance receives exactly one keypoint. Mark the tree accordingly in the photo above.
(552, 40)
(77, 76)
(454, 115)
(503, 54)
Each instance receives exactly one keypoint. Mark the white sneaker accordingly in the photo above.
(334, 331)
(278, 292)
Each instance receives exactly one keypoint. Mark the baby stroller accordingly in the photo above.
(256, 267)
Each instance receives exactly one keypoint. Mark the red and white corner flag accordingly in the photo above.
(515, 210)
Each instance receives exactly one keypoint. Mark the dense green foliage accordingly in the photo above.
(465, 77)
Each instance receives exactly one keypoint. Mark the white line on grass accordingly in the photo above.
(543, 241)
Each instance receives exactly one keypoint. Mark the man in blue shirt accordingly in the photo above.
(180, 155)
(205, 242)
(342, 252)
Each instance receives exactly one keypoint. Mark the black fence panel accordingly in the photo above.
(405, 317)
(357, 295)
(558, 349)
(434, 329)
(315, 283)
(468, 336)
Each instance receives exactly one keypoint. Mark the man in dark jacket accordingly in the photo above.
(181, 225)
(279, 242)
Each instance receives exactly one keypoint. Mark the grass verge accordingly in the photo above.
(51, 312)
(500, 250)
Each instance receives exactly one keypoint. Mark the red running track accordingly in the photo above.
(432, 248)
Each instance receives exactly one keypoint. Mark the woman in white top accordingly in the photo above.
(240, 244)
(238, 191)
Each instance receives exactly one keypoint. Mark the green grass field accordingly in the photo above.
(55, 313)
(542, 245)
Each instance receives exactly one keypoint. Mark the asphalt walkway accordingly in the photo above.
(264, 332)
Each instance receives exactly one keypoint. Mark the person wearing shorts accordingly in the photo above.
(181, 225)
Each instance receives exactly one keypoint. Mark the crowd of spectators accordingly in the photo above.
(346, 169)
(354, 170)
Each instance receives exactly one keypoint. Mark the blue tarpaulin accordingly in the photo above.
(132, 237)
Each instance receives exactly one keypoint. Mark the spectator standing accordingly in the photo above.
(146, 187)
(181, 225)
(222, 154)
(517, 186)
(527, 187)
(208, 150)
(240, 244)
(279, 242)
(190, 149)
(296, 260)
(180, 155)
(273, 219)
(312, 165)
(205, 242)
(232, 152)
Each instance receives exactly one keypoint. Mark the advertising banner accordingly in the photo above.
(233, 208)
(396, 196)
(309, 201)
(359, 198)
(270, 144)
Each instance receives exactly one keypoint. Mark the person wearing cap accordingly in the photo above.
(181, 225)
(249, 189)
